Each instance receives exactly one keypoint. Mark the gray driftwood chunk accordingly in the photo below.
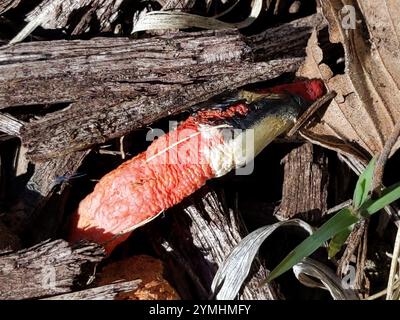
(47, 269)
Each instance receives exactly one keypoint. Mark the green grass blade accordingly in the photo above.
(338, 241)
(342, 220)
(388, 196)
(363, 186)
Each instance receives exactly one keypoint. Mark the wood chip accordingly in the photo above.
(306, 169)
(47, 269)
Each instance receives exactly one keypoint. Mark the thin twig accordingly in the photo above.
(393, 267)
(338, 207)
(383, 292)
(121, 147)
(110, 152)
(352, 244)
(361, 279)
(106, 292)
(384, 156)
(376, 187)
(310, 111)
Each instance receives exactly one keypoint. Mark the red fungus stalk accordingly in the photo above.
(205, 146)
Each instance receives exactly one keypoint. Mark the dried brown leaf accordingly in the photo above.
(364, 113)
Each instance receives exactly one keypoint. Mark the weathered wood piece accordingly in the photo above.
(49, 176)
(199, 240)
(10, 125)
(30, 218)
(356, 251)
(305, 184)
(47, 269)
(78, 16)
(6, 5)
(118, 85)
(98, 120)
(107, 292)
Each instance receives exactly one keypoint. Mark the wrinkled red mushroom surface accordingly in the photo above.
(180, 162)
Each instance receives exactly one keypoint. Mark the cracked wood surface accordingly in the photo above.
(116, 85)
(106, 292)
(305, 170)
(47, 269)
(30, 216)
(200, 239)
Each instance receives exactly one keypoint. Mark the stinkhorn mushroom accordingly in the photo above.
(205, 146)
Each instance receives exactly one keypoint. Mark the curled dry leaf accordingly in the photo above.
(363, 114)
(149, 270)
(314, 274)
(162, 20)
(234, 271)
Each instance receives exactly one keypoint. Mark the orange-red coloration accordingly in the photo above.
(205, 116)
(309, 90)
(172, 168)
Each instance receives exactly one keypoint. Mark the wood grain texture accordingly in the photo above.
(305, 184)
(10, 125)
(107, 292)
(47, 269)
(199, 240)
(184, 5)
(76, 15)
(117, 85)
(6, 5)
(30, 216)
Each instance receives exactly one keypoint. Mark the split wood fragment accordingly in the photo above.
(49, 268)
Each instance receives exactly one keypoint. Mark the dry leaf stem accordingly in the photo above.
(393, 267)
(384, 156)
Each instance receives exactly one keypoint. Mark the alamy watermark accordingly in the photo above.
(49, 278)
(349, 279)
(49, 272)
(220, 144)
(348, 17)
